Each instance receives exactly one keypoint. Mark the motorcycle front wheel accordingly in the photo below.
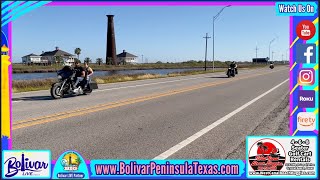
(55, 91)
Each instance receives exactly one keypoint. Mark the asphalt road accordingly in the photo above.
(191, 117)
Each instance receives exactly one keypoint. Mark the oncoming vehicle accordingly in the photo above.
(271, 65)
(232, 70)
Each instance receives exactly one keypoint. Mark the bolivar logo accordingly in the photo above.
(26, 164)
(70, 165)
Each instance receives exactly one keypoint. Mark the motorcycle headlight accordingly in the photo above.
(59, 77)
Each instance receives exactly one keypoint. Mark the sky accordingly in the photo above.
(163, 33)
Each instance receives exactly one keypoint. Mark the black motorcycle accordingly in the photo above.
(271, 66)
(231, 72)
(65, 84)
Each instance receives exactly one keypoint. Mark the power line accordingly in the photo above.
(205, 60)
(256, 51)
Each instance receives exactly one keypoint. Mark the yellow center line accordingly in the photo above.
(65, 115)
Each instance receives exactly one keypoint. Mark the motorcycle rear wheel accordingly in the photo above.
(87, 91)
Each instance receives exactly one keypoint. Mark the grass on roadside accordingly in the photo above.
(45, 84)
(19, 68)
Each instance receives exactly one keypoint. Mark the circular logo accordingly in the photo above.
(71, 161)
(305, 30)
(267, 156)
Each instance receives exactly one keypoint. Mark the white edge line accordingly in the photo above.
(108, 84)
(138, 85)
(120, 83)
(192, 138)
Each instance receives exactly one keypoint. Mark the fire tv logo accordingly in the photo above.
(306, 121)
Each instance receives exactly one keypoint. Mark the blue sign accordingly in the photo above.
(296, 8)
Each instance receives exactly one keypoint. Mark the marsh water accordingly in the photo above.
(30, 76)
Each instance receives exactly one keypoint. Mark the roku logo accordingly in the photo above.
(306, 99)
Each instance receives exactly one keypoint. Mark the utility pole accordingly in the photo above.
(214, 18)
(205, 60)
(256, 53)
(270, 46)
(272, 55)
(282, 59)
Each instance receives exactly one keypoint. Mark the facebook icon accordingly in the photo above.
(306, 53)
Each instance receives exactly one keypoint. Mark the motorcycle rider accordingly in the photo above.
(271, 64)
(88, 72)
(80, 75)
(235, 66)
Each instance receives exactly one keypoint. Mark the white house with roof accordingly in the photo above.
(126, 58)
(50, 57)
(31, 59)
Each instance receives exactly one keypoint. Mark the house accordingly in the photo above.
(49, 57)
(126, 58)
(32, 59)
(52, 57)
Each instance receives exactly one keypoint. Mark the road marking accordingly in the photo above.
(96, 106)
(119, 83)
(197, 135)
(16, 101)
(139, 85)
(83, 111)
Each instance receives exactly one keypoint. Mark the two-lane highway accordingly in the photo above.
(201, 116)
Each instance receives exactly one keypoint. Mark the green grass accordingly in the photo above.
(31, 85)
(20, 68)
(45, 84)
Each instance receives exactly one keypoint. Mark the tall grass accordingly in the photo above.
(43, 84)
(20, 68)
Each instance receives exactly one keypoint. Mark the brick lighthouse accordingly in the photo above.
(111, 57)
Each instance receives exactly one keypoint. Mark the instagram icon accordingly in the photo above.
(306, 77)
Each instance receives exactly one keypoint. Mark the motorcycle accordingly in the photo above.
(231, 72)
(66, 82)
(271, 66)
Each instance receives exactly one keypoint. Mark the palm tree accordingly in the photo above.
(77, 51)
(87, 60)
(78, 160)
(58, 59)
(99, 61)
